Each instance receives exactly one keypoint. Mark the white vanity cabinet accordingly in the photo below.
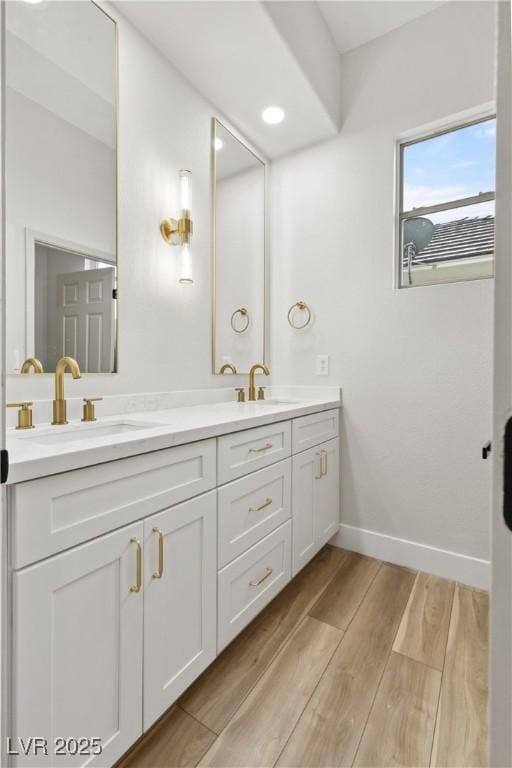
(129, 577)
(315, 500)
(77, 649)
(107, 634)
(179, 600)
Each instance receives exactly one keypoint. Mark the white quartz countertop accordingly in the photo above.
(30, 457)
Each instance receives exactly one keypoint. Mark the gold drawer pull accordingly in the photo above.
(138, 584)
(159, 572)
(318, 477)
(324, 465)
(265, 447)
(266, 503)
(263, 578)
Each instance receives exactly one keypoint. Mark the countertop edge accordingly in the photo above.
(25, 470)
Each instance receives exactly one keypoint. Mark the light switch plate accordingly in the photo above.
(322, 365)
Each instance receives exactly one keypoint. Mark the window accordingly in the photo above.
(446, 215)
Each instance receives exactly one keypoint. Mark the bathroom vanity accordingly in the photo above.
(127, 577)
(140, 545)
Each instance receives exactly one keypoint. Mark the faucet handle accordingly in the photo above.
(261, 393)
(240, 396)
(24, 414)
(89, 414)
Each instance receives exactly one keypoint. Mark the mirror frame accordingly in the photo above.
(266, 271)
(51, 374)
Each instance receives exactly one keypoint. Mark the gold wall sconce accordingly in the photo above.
(179, 231)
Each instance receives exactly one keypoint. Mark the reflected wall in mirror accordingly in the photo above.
(61, 185)
(239, 301)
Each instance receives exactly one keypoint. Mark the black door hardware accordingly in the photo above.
(486, 450)
(507, 475)
(4, 465)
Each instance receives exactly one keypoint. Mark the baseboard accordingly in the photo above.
(450, 565)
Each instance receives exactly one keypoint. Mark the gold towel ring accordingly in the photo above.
(303, 308)
(244, 313)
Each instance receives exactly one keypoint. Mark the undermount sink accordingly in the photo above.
(79, 434)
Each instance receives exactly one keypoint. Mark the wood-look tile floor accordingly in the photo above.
(356, 663)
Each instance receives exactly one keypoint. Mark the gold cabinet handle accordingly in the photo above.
(265, 447)
(266, 503)
(324, 462)
(269, 571)
(159, 572)
(319, 454)
(138, 583)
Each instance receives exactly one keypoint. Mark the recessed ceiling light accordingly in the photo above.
(218, 143)
(273, 115)
(33, 2)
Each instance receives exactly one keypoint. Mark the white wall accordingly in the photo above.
(415, 365)
(165, 337)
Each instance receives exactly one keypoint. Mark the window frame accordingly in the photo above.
(464, 121)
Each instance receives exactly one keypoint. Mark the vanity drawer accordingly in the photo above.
(244, 452)
(58, 512)
(246, 585)
(314, 429)
(250, 508)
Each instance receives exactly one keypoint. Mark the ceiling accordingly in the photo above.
(244, 55)
(234, 55)
(355, 22)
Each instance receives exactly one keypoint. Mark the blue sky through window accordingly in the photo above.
(454, 165)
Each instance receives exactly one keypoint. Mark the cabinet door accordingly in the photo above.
(179, 600)
(315, 500)
(77, 649)
(305, 475)
(327, 494)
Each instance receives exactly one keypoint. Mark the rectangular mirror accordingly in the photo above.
(239, 248)
(61, 185)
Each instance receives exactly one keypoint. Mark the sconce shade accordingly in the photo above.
(185, 189)
(186, 277)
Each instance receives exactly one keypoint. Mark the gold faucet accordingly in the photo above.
(32, 362)
(252, 387)
(59, 404)
(228, 367)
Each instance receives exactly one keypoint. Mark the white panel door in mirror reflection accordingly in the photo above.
(84, 319)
